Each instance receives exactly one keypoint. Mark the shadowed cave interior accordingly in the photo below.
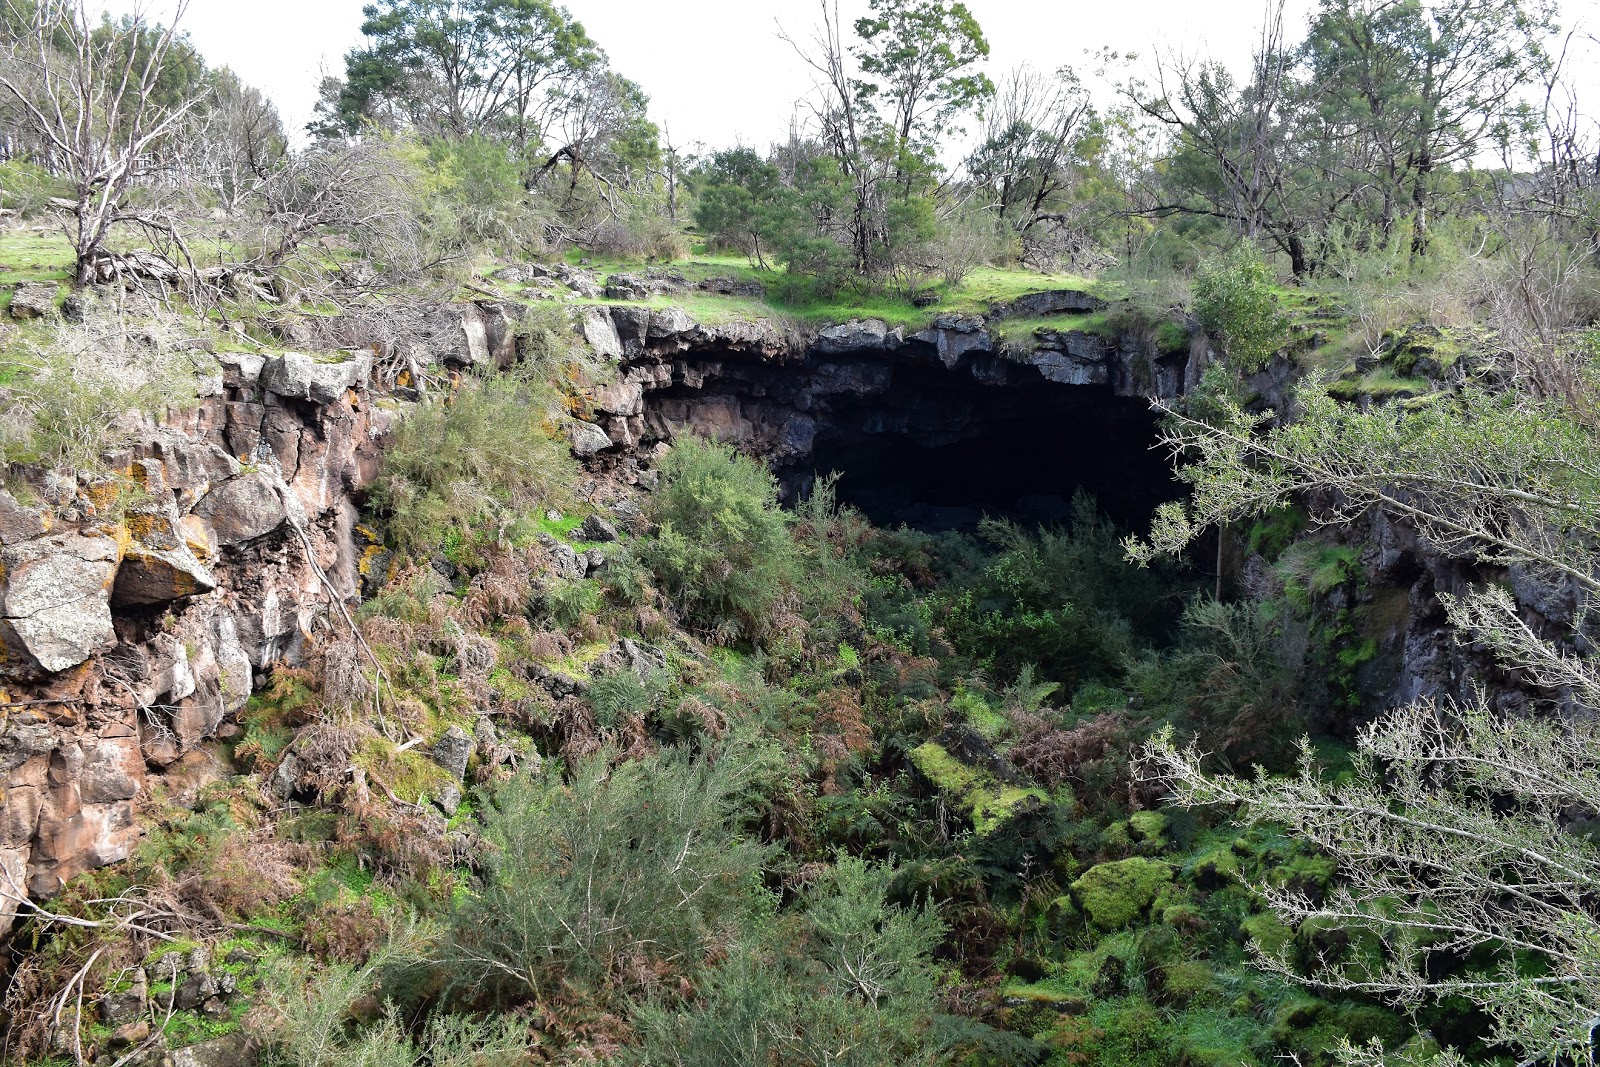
(939, 452)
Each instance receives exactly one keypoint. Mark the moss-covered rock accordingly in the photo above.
(1268, 931)
(1147, 826)
(986, 799)
(1185, 981)
(1114, 894)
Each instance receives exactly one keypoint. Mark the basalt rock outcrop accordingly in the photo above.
(137, 613)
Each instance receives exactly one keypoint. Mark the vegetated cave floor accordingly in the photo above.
(942, 462)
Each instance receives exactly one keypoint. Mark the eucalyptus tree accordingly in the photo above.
(885, 101)
(1037, 153)
(1416, 88)
(461, 67)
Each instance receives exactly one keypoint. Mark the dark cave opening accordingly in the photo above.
(939, 451)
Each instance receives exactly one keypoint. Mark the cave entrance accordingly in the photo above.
(940, 452)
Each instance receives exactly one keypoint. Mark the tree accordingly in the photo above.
(459, 67)
(883, 105)
(102, 102)
(1458, 836)
(1039, 135)
(1234, 145)
(919, 58)
(232, 144)
(744, 202)
(1420, 87)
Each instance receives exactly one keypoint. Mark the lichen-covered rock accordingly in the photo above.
(587, 439)
(452, 751)
(55, 596)
(18, 523)
(601, 333)
(853, 336)
(34, 300)
(1115, 894)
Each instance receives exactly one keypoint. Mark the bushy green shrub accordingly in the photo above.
(1234, 301)
(467, 463)
(722, 549)
(851, 981)
(623, 873)
(316, 1019)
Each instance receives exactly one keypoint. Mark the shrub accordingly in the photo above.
(854, 983)
(460, 468)
(621, 878)
(1234, 301)
(723, 549)
(66, 402)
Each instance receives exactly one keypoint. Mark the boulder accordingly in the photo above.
(297, 376)
(230, 1050)
(669, 322)
(857, 335)
(242, 509)
(1054, 302)
(587, 439)
(150, 576)
(601, 333)
(452, 751)
(55, 598)
(34, 300)
(595, 528)
(18, 523)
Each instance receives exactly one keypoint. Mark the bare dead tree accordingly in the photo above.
(90, 96)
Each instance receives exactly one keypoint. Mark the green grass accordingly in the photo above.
(1382, 382)
(27, 256)
(796, 301)
(1018, 333)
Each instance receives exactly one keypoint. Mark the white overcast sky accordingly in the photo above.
(716, 71)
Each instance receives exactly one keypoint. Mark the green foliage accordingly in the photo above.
(1058, 598)
(1235, 303)
(467, 464)
(574, 890)
(325, 1019)
(722, 549)
(744, 203)
(621, 694)
(849, 980)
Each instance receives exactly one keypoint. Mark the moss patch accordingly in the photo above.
(989, 802)
(1114, 894)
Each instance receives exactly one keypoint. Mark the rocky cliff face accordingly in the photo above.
(133, 623)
